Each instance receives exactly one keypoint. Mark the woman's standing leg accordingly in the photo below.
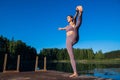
(71, 54)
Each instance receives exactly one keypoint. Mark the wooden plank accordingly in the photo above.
(48, 75)
(36, 63)
(18, 63)
(5, 62)
(10, 71)
(45, 64)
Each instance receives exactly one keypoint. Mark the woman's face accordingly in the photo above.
(69, 19)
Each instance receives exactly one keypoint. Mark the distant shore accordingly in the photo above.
(94, 61)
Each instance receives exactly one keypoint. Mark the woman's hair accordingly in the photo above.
(70, 16)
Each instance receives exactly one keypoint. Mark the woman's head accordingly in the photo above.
(69, 18)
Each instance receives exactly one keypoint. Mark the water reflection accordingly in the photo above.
(113, 73)
(98, 70)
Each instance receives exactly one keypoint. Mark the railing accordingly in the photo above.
(18, 64)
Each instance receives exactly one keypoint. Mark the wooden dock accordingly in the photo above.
(44, 75)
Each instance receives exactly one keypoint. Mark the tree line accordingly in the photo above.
(80, 54)
(61, 54)
(13, 47)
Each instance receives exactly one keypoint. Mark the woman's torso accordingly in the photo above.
(71, 30)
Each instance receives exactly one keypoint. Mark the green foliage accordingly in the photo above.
(16, 47)
(4, 45)
(62, 54)
(112, 54)
(83, 54)
(80, 54)
(99, 55)
(54, 54)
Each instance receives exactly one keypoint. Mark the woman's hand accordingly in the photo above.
(59, 28)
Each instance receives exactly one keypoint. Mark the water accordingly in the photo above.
(99, 70)
(113, 73)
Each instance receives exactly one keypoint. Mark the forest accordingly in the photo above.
(28, 53)
(12, 47)
(80, 54)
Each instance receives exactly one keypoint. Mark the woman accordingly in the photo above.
(72, 36)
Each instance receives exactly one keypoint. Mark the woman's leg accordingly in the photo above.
(71, 54)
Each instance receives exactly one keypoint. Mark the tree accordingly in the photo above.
(90, 54)
(112, 54)
(99, 55)
(4, 45)
(12, 46)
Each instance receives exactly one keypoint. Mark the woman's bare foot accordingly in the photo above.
(79, 8)
(74, 75)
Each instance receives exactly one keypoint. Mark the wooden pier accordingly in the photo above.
(44, 75)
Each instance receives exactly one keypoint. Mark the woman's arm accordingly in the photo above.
(75, 16)
(62, 28)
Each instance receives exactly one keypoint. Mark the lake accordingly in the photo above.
(99, 70)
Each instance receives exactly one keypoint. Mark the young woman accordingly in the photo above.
(73, 36)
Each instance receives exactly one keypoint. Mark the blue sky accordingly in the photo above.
(36, 23)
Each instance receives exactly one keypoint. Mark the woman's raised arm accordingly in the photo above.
(75, 16)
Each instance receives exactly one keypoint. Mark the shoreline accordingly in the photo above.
(93, 61)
